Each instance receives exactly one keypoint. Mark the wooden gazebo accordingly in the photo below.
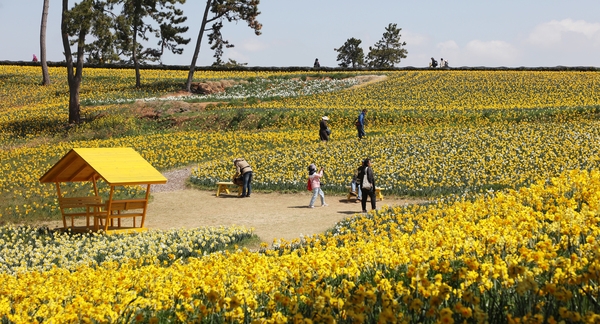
(116, 167)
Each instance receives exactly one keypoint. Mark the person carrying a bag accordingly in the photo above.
(366, 180)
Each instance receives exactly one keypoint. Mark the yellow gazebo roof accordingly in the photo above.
(117, 166)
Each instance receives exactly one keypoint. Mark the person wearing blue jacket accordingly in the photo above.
(360, 124)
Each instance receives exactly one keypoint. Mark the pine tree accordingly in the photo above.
(351, 54)
(79, 22)
(387, 51)
(221, 10)
(137, 21)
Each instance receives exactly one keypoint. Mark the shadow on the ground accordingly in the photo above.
(348, 212)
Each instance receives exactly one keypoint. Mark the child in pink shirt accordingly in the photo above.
(315, 181)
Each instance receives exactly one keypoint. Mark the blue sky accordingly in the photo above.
(508, 33)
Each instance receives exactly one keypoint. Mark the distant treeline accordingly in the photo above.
(305, 68)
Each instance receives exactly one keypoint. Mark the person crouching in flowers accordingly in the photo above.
(315, 182)
(243, 168)
(324, 130)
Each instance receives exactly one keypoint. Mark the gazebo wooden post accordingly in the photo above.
(147, 196)
(97, 209)
(94, 179)
(59, 194)
(109, 207)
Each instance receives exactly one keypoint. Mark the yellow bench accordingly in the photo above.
(378, 194)
(223, 187)
(72, 207)
(126, 208)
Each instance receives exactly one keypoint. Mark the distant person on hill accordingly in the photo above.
(442, 62)
(243, 168)
(324, 130)
(360, 124)
(366, 178)
(433, 63)
(35, 59)
(317, 64)
(314, 178)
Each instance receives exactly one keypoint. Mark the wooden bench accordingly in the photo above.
(378, 194)
(351, 193)
(75, 207)
(126, 208)
(223, 187)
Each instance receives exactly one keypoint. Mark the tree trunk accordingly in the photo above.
(188, 84)
(45, 74)
(74, 107)
(74, 82)
(136, 63)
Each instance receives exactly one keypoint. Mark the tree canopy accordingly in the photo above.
(351, 54)
(105, 36)
(142, 17)
(87, 17)
(387, 51)
(217, 12)
(96, 30)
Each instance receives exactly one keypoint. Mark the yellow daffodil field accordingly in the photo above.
(508, 159)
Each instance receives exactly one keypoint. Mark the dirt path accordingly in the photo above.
(271, 215)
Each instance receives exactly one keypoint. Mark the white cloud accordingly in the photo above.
(253, 45)
(553, 32)
(448, 47)
(449, 50)
(491, 52)
(477, 52)
(236, 55)
(246, 51)
(413, 39)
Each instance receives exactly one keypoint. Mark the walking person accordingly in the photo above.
(317, 64)
(243, 168)
(315, 182)
(360, 124)
(366, 178)
(324, 130)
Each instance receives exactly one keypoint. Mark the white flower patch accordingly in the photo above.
(270, 88)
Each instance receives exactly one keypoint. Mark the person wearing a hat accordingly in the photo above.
(324, 130)
(315, 182)
(243, 168)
